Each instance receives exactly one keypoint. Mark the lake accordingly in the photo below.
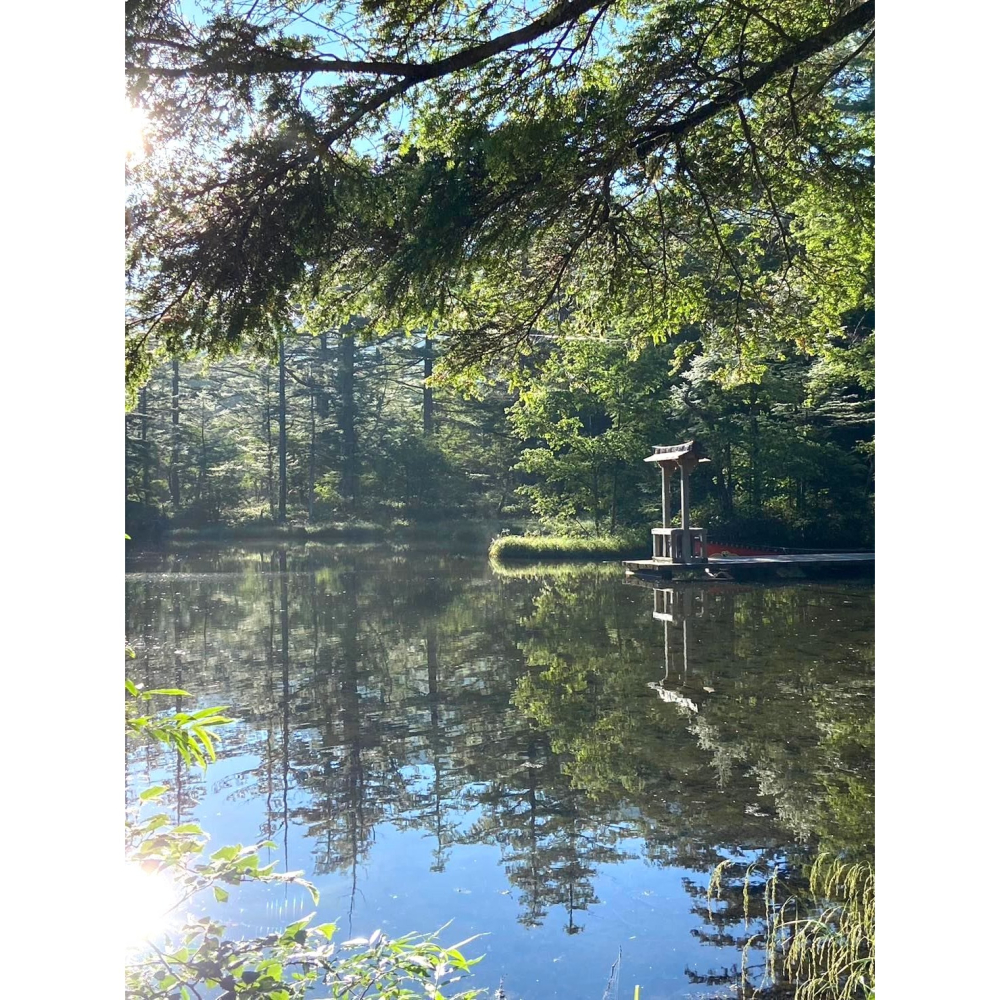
(555, 761)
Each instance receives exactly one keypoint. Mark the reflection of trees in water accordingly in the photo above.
(549, 837)
(411, 690)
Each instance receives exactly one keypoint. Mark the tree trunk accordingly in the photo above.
(428, 392)
(146, 456)
(726, 479)
(312, 444)
(348, 422)
(595, 501)
(282, 437)
(270, 442)
(614, 498)
(174, 476)
(326, 428)
(322, 400)
(202, 459)
(721, 482)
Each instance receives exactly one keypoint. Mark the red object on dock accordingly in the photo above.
(721, 549)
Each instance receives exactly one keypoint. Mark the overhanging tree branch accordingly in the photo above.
(854, 20)
(401, 234)
(264, 62)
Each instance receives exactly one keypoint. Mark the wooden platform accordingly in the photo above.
(804, 565)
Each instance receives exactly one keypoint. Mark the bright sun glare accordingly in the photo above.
(135, 125)
(148, 900)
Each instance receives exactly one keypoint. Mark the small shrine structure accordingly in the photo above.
(684, 545)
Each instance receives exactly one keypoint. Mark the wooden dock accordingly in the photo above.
(787, 566)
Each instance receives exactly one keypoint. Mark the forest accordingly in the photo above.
(339, 428)
(335, 315)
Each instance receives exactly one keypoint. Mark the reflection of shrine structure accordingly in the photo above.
(675, 607)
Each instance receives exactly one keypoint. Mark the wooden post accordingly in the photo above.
(666, 650)
(685, 513)
(685, 498)
(684, 633)
(665, 492)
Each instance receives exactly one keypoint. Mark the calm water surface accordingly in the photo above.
(555, 762)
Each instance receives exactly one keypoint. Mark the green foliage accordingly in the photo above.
(191, 734)
(587, 414)
(791, 462)
(296, 962)
(649, 221)
(290, 964)
(287, 964)
(648, 170)
(356, 414)
(792, 451)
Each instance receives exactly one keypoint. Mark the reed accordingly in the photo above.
(819, 943)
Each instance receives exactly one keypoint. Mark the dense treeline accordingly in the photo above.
(343, 426)
(334, 427)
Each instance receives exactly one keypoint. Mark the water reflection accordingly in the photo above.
(548, 724)
(674, 606)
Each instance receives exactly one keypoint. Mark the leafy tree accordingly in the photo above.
(587, 414)
(355, 441)
(494, 171)
(790, 447)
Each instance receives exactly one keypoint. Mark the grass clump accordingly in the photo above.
(818, 940)
(564, 547)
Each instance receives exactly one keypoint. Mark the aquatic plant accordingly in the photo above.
(818, 940)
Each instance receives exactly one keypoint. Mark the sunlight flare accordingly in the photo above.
(136, 122)
(149, 898)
